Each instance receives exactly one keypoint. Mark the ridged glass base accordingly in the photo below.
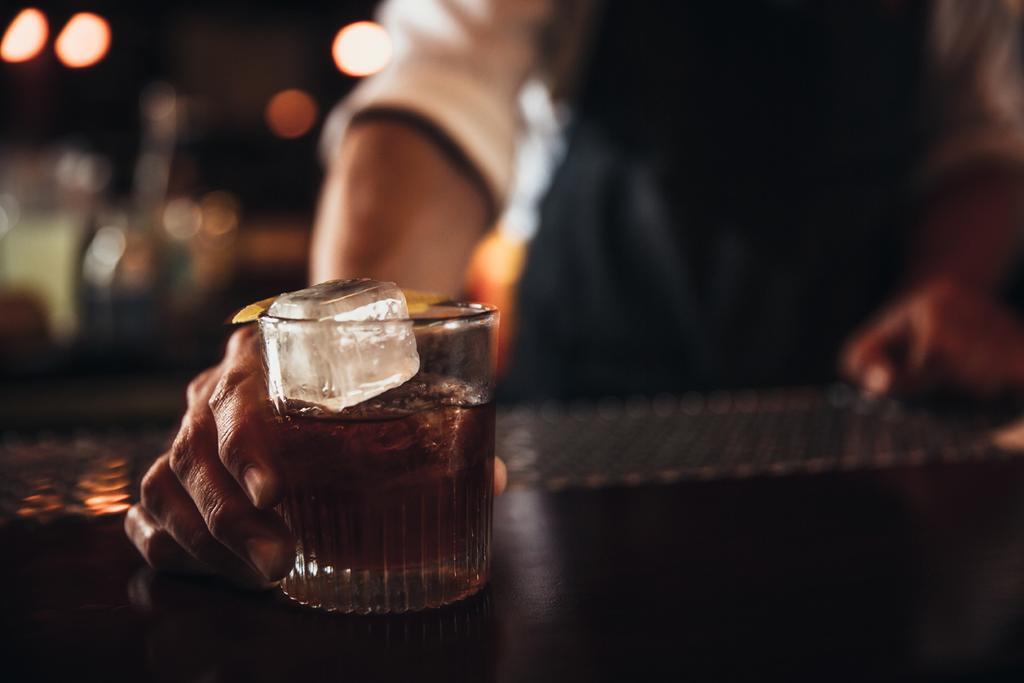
(390, 515)
(368, 592)
(408, 548)
(367, 552)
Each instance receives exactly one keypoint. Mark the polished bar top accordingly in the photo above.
(904, 573)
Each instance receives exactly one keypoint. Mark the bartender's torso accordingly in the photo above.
(732, 200)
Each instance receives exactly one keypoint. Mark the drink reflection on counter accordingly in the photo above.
(185, 641)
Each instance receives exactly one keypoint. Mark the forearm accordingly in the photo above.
(970, 231)
(398, 205)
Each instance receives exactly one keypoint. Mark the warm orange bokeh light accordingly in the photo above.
(290, 113)
(25, 37)
(83, 41)
(362, 48)
(492, 278)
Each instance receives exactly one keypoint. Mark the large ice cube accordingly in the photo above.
(337, 344)
(358, 299)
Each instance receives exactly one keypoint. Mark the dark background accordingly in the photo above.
(223, 62)
(231, 57)
(122, 350)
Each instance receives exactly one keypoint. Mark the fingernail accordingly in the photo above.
(255, 484)
(877, 379)
(269, 557)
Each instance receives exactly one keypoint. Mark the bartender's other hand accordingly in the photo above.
(206, 505)
(941, 336)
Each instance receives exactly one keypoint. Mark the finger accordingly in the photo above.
(245, 435)
(879, 376)
(157, 546)
(171, 508)
(258, 536)
(863, 346)
(200, 388)
(500, 476)
(236, 393)
(869, 360)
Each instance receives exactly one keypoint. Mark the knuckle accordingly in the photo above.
(150, 491)
(223, 395)
(241, 341)
(233, 377)
(221, 517)
(182, 458)
(198, 386)
(231, 446)
(194, 389)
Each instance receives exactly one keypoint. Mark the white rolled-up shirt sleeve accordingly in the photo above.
(975, 91)
(458, 64)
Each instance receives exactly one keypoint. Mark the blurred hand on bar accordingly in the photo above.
(942, 336)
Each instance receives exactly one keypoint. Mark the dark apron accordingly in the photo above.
(732, 201)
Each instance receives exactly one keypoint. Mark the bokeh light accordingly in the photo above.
(220, 211)
(83, 41)
(25, 37)
(290, 113)
(362, 48)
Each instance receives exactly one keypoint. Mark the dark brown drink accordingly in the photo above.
(387, 439)
(391, 512)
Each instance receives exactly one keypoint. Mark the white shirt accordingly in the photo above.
(465, 65)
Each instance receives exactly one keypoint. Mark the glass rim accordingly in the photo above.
(468, 312)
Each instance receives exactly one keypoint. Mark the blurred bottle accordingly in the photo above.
(47, 198)
(120, 273)
(154, 264)
(118, 294)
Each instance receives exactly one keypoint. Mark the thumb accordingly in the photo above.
(871, 359)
